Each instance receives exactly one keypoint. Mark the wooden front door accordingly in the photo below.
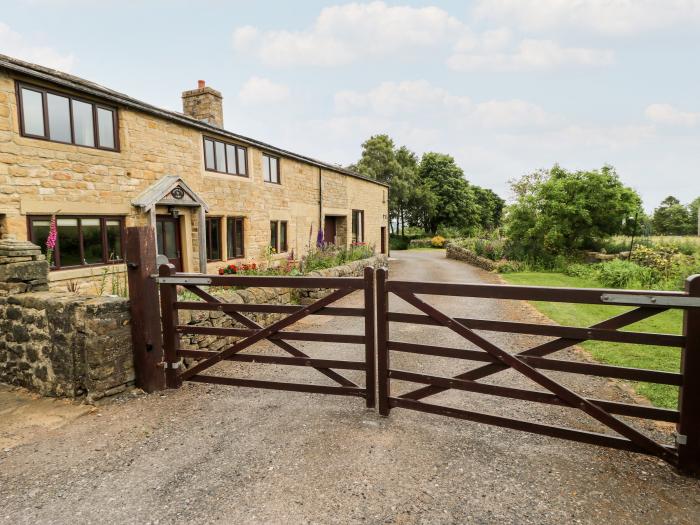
(383, 239)
(168, 237)
(329, 230)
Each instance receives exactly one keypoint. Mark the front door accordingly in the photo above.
(329, 231)
(383, 239)
(168, 237)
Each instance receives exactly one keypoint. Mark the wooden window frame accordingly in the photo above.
(361, 230)
(278, 230)
(103, 232)
(236, 146)
(207, 230)
(235, 221)
(19, 86)
(266, 158)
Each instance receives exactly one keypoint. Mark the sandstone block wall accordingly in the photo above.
(62, 344)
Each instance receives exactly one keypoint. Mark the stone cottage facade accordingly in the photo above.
(100, 161)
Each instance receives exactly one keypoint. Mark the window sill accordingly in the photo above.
(77, 272)
(226, 176)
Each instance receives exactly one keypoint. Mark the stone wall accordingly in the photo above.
(267, 296)
(468, 256)
(63, 344)
(23, 268)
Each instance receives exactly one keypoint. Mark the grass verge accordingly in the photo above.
(636, 356)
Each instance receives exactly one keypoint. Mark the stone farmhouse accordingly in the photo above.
(100, 161)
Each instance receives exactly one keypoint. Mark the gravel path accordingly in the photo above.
(206, 454)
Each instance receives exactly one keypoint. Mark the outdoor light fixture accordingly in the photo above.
(174, 212)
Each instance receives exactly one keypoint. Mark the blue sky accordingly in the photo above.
(505, 86)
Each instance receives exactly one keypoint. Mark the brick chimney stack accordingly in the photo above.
(204, 103)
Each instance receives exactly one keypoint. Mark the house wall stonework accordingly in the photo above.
(39, 177)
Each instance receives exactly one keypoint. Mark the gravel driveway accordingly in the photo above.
(206, 454)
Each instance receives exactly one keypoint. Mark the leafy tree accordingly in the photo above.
(672, 218)
(404, 186)
(378, 160)
(490, 207)
(694, 208)
(557, 211)
(455, 203)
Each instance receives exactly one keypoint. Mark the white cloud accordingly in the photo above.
(17, 46)
(604, 16)
(667, 115)
(529, 55)
(257, 90)
(418, 99)
(347, 33)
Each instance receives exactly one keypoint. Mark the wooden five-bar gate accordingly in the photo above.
(156, 351)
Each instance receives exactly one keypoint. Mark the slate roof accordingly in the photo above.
(79, 84)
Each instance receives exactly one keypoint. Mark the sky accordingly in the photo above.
(504, 86)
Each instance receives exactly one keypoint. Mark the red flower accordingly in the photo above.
(221, 271)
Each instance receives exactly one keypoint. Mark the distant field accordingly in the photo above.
(621, 243)
(636, 356)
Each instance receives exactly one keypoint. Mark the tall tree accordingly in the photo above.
(403, 185)
(378, 160)
(672, 218)
(557, 211)
(455, 204)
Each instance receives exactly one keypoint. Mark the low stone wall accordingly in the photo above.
(462, 254)
(267, 296)
(61, 344)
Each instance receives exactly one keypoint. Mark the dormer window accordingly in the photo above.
(49, 115)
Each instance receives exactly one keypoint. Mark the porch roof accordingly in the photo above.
(161, 192)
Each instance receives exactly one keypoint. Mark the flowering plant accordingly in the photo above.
(51, 239)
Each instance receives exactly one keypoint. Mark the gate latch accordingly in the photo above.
(651, 300)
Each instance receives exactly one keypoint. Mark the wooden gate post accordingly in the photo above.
(145, 315)
(370, 376)
(689, 396)
(382, 336)
(171, 339)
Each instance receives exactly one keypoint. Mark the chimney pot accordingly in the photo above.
(201, 84)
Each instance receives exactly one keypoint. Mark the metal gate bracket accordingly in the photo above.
(681, 439)
(651, 300)
(183, 280)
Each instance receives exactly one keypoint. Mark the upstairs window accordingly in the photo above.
(358, 226)
(271, 169)
(57, 117)
(278, 236)
(81, 241)
(213, 234)
(223, 157)
(234, 236)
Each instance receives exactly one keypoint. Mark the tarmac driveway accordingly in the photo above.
(206, 453)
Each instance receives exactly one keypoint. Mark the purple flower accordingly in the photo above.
(319, 238)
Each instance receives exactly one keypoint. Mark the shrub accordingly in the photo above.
(398, 242)
(624, 274)
(437, 242)
(584, 271)
(506, 266)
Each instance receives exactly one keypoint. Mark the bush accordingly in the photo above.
(437, 242)
(583, 271)
(398, 242)
(624, 274)
(420, 243)
(330, 255)
(506, 266)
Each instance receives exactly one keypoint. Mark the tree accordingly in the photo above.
(672, 218)
(694, 208)
(404, 185)
(557, 212)
(490, 207)
(455, 204)
(378, 160)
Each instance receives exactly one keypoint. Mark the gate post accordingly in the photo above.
(370, 376)
(689, 396)
(382, 336)
(143, 301)
(168, 298)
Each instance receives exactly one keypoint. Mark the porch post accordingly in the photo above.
(202, 229)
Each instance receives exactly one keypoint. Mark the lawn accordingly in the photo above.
(637, 356)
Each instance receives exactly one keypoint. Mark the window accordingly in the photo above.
(271, 168)
(81, 241)
(213, 238)
(58, 117)
(223, 157)
(278, 236)
(358, 226)
(234, 237)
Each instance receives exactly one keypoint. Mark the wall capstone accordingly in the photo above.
(23, 268)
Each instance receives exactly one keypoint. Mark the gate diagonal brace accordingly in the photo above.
(565, 394)
(264, 333)
(284, 345)
(550, 347)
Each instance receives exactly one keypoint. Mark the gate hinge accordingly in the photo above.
(681, 439)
